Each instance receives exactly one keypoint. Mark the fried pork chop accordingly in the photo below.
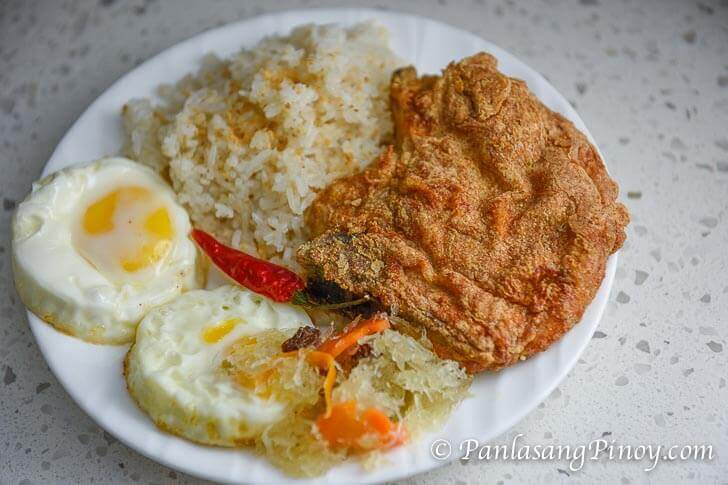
(488, 224)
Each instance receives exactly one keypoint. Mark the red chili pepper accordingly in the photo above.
(268, 279)
(276, 282)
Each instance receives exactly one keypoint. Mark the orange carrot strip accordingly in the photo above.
(338, 343)
(375, 419)
(323, 359)
(325, 362)
(345, 428)
(341, 428)
(324, 356)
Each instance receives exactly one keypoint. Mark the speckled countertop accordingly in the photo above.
(649, 78)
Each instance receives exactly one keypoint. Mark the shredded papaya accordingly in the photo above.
(323, 361)
(256, 382)
(349, 337)
(372, 421)
(346, 428)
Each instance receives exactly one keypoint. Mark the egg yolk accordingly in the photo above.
(125, 231)
(218, 331)
(158, 225)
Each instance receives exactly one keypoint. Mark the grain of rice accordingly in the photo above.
(249, 141)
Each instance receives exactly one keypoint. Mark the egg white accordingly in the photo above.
(62, 287)
(176, 376)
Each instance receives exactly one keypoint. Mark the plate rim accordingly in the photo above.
(597, 305)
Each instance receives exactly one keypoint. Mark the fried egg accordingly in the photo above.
(96, 246)
(175, 372)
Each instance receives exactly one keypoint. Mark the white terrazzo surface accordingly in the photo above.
(649, 78)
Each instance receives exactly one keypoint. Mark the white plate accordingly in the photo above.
(92, 374)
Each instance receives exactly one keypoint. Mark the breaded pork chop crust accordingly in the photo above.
(489, 223)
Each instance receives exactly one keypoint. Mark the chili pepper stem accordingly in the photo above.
(301, 299)
(263, 277)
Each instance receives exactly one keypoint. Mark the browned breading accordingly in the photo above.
(489, 224)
